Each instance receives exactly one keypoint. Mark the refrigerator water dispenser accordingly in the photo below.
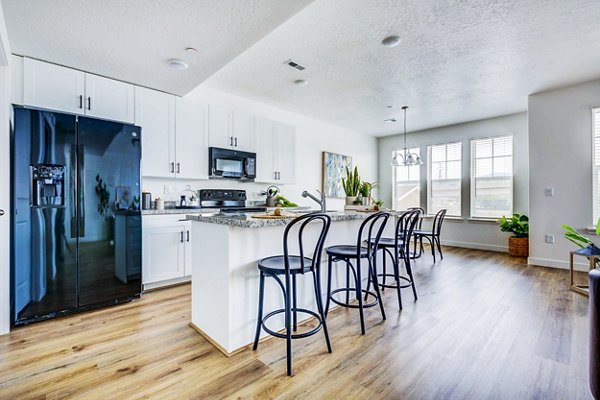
(47, 185)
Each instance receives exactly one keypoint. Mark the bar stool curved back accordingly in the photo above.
(289, 266)
(370, 231)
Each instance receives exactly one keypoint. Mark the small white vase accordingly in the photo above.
(350, 200)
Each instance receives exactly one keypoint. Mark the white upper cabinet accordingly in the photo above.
(285, 153)
(220, 127)
(191, 140)
(53, 87)
(243, 131)
(64, 89)
(108, 99)
(155, 113)
(275, 151)
(230, 129)
(264, 131)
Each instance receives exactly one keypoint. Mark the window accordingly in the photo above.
(596, 167)
(406, 192)
(492, 177)
(444, 178)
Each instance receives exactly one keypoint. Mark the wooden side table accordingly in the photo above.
(582, 288)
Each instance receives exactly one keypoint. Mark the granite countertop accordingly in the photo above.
(180, 211)
(246, 221)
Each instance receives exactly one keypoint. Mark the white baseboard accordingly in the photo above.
(544, 262)
(476, 246)
(168, 282)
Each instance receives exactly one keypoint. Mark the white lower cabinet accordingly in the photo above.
(166, 250)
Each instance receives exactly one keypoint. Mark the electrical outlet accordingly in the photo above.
(549, 238)
(166, 189)
(549, 191)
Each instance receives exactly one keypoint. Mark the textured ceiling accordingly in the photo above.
(131, 40)
(459, 60)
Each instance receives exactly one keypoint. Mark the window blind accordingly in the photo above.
(596, 166)
(406, 191)
(492, 177)
(444, 178)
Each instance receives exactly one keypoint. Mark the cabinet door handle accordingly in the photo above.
(178, 168)
(231, 140)
(187, 236)
(278, 175)
(235, 142)
(81, 101)
(89, 103)
(172, 167)
(275, 175)
(181, 236)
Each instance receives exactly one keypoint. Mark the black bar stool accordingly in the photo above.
(419, 226)
(432, 236)
(290, 266)
(398, 248)
(374, 226)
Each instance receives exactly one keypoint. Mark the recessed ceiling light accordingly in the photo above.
(391, 41)
(389, 106)
(176, 63)
(191, 50)
(390, 120)
(301, 82)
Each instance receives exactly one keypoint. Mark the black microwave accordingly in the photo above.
(234, 164)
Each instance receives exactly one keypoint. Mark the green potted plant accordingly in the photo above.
(587, 247)
(377, 205)
(351, 185)
(366, 188)
(518, 225)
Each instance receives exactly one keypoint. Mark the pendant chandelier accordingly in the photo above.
(403, 157)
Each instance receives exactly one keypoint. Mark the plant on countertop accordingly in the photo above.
(518, 225)
(351, 183)
(281, 201)
(377, 204)
(365, 191)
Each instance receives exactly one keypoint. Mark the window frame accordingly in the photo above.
(429, 176)
(595, 111)
(472, 173)
(419, 182)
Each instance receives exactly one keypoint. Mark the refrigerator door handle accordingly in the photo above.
(81, 192)
(73, 193)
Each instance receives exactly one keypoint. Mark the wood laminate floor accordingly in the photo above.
(486, 326)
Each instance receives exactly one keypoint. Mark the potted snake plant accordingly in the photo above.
(351, 185)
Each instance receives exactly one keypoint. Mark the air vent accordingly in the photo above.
(295, 64)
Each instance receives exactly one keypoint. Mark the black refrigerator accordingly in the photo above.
(76, 237)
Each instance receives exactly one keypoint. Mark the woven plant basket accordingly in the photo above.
(518, 247)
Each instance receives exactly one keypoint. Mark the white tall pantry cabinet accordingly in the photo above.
(276, 151)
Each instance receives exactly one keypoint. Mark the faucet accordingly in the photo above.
(320, 202)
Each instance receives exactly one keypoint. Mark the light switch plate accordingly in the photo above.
(549, 191)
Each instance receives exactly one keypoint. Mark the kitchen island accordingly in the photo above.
(225, 276)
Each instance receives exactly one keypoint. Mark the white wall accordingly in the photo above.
(4, 179)
(312, 138)
(560, 156)
(463, 232)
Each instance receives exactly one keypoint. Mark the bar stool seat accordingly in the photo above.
(347, 251)
(275, 265)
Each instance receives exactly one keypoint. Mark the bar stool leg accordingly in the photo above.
(347, 282)
(359, 297)
(329, 267)
(384, 271)
(317, 283)
(261, 296)
(288, 324)
(373, 275)
(397, 277)
(295, 303)
(410, 274)
(439, 246)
